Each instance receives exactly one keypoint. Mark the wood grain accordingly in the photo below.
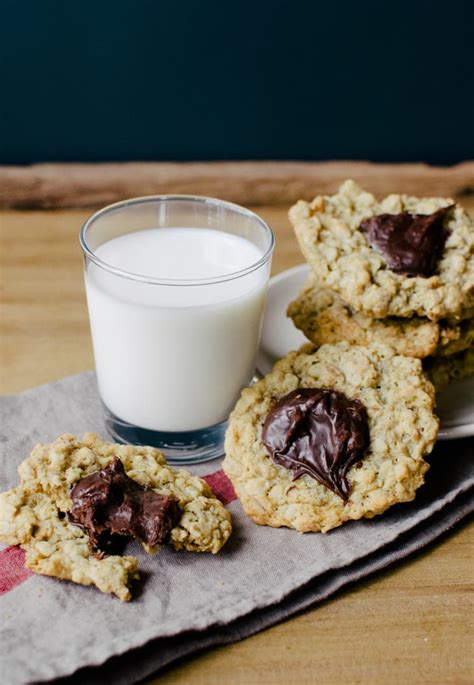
(250, 183)
(409, 624)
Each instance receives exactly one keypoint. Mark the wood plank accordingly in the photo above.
(250, 183)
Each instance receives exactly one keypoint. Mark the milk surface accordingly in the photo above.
(174, 357)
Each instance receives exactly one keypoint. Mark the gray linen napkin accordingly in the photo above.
(146, 661)
(186, 602)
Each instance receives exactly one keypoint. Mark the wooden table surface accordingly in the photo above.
(409, 624)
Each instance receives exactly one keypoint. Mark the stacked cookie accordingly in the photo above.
(339, 430)
(398, 272)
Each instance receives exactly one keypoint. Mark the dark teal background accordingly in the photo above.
(103, 80)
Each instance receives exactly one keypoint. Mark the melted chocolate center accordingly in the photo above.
(320, 433)
(108, 502)
(412, 244)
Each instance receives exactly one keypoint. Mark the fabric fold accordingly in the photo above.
(52, 629)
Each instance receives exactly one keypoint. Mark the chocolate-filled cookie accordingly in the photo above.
(75, 493)
(331, 435)
(404, 256)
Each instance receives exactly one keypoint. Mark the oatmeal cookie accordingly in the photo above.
(35, 514)
(442, 371)
(399, 402)
(55, 547)
(324, 318)
(204, 525)
(329, 235)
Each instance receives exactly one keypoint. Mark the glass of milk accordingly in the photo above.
(176, 289)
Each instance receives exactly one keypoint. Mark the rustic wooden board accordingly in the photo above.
(409, 624)
(250, 183)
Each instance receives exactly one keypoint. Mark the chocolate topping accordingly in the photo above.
(411, 243)
(108, 501)
(320, 433)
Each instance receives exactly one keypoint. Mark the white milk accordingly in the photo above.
(174, 358)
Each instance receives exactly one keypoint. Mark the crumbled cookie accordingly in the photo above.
(324, 318)
(443, 370)
(204, 525)
(35, 514)
(329, 235)
(55, 547)
(399, 401)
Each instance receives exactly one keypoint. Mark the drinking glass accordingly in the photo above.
(172, 354)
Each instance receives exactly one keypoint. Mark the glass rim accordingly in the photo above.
(198, 199)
